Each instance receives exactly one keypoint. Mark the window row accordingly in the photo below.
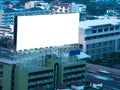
(101, 44)
(74, 79)
(40, 79)
(106, 29)
(100, 51)
(32, 87)
(74, 67)
(102, 36)
(74, 73)
(40, 72)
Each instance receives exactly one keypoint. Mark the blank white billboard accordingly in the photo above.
(46, 30)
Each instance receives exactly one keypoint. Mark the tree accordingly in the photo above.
(24, 1)
(77, 1)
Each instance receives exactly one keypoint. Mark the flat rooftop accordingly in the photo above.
(35, 58)
(98, 22)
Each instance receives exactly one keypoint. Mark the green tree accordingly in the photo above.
(77, 1)
(24, 1)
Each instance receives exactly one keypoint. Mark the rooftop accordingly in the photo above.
(33, 59)
(98, 22)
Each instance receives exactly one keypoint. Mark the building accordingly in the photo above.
(2, 6)
(99, 36)
(4, 30)
(44, 67)
(8, 14)
(97, 84)
(37, 8)
(7, 18)
(81, 9)
(77, 86)
(70, 8)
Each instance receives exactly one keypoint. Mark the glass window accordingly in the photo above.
(118, 40)
(94, 31)
(103, 44)
(87, 31)
(106, 29)
(112, 28)
(97, 45)
(93, 45)
(116, 27)
(88, 46)
(87, 38)
(99, 30)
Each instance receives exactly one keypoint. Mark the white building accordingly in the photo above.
(99, 36)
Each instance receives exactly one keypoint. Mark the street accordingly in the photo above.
(106, 79)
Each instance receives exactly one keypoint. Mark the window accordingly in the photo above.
(87, 38)
(97, 45)
(97, 51)
(119, 41)
(87, 47)
(116, 27)
(99, 30)
(93, 45)
(103, 44)
(94, 31)
(112, 28)
(106, 29)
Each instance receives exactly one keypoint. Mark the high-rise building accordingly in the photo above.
(48, 67)
(100, 36)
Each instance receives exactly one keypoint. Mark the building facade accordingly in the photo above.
(81, 9)
(34, 71)
(7, 15)
(100, 36)
(4, 30)
(7, 18)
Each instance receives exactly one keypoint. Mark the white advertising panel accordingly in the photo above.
(46, 30)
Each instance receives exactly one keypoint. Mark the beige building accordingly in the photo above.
(99, 36)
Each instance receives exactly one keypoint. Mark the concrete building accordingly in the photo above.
(7, 17)
(44, 67)
(99, 36)
(80, 8)
(35, 8)
(30, 8)
(70, 7)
